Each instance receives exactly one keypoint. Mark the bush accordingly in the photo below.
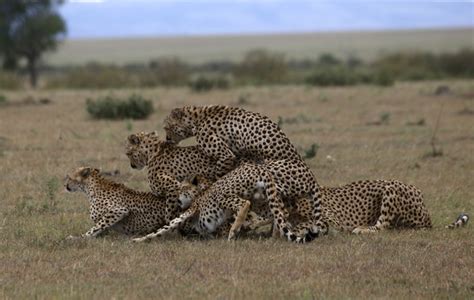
(332, 76)
(345, 76)
(9, 81)
(382, 79)
(262, 67)
(458, 64)
(204, 84)
(409, 65)
(327, 59)
(109, 107)
(169, 71)
(94, 76)
(3, 99)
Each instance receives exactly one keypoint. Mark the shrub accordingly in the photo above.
(204, 84)
(169, 71)
(9, 81)
(109, 107)
(311, 151)
(261, 67)
(458, 64)
(409, 65)
(327, 59)
(332, 76)
(94, 76)
(382, 79)
(3, 99)
(345, 76)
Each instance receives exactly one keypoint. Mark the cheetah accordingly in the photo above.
(115, 206)
(248, 184)
(168, 164)
(227, 197)
(373, 205)
(226, 133)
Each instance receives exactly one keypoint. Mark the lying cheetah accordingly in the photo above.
(226, 133)
(115, 206)
(372, 205)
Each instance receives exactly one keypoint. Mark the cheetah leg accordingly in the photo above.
(279, 213)
(108, 220)
(309, 208)
(275, 231)
(215, 147)
(168, 187)
(255, 221)
(243, 207)
(175, 223)
(386, 215)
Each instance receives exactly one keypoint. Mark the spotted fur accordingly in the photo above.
(372, 205)
(168, 165)
(115, 206)
(244, 186)
(226, 133)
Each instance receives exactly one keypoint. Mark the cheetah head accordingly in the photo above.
(139, 147)
(79, 178)
(191, 188)
(178, 125)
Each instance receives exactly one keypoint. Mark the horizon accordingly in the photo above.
(251, 34)
(104, 19)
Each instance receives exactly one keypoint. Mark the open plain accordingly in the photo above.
(361, 132)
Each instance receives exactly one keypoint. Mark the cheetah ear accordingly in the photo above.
(133, 139)
(177, 113)
(85, 172)
(195, 181)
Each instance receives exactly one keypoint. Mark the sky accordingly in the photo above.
(138, 18)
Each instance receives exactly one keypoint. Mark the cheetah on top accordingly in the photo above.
(226, 133)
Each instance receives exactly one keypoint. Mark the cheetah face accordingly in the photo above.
(78, 179)
(178, 126)
(137, 148)
(190, 189)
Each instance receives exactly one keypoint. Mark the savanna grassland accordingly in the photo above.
(366, 45)
(362, 132)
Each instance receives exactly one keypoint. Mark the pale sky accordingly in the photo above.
(128, 18)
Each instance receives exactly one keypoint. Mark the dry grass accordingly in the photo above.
(40, 143)
(365, 45)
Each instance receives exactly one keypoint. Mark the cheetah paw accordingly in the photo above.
(359, 230)
(140, 240)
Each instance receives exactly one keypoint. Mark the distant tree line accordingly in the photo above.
(261, 67)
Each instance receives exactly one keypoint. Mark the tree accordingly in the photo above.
(27, 30)
(9, 11)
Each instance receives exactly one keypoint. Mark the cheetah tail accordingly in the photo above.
(460, 221)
